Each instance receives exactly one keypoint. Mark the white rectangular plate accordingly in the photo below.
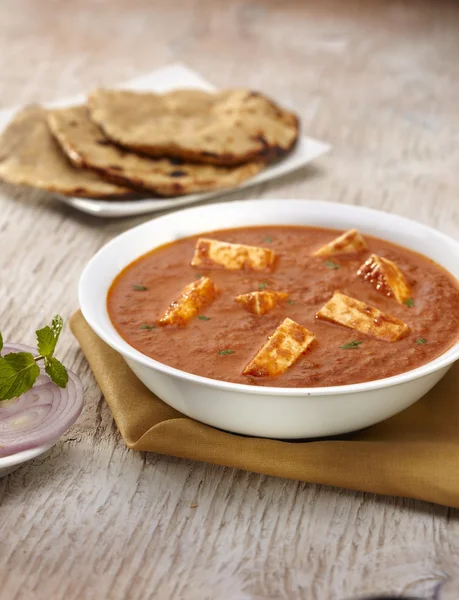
(163, 80)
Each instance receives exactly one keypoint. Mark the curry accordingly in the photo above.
(286, 306)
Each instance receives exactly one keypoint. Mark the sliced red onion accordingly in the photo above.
(41, 415)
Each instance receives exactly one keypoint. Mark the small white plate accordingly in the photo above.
(8, 464)
(163, 80)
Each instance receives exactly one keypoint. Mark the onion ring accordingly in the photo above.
(42, 414)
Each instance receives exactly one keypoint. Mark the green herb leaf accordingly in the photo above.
(56, 325)
(198, 275)
(203, 318)
(409, 302)
(1, 342)
(268, 239)
(56, 371)
(421, 341)
(353, 344)
(18, 372)
(46, 341)
(262, 286)
(48, 336)
(139, 288)
(291, 301)
(224, 352)
(331, 265)
(145, 326)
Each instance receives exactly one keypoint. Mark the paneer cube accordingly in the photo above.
(260, 303)
(352, 313)
(231, 256)
(386, 277)
(349, 242)
(194, 296)
(282, 349)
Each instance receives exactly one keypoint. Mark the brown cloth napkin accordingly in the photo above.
(414, 454)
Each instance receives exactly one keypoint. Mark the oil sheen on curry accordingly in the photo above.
(286, 306)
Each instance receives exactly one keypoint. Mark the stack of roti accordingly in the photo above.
(122, 143)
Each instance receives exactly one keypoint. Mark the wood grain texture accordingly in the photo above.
(92, 520)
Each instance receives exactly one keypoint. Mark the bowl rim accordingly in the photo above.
(129, 352)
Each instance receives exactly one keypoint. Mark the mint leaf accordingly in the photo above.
(203, 318)
(421, 341)
(146, 326)
(409, 302)
(18, 372)
(56, 325)
(225, 352)
(262, 286)
(48, 336)
(46, 341)
(56, 371)
(1, 342)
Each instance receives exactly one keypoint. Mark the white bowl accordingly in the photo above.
(285, 413)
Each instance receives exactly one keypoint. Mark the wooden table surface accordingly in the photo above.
(93, 520)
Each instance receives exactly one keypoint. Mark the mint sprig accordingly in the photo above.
(19, 370)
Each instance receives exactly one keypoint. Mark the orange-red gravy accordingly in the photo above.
(311, 282)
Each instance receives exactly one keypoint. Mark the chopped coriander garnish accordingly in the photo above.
(224, 352)
(353, 344)
(409, 302)
(331, 265)
(203, 318)
(198, 275)
(262, 286)
(145, 326)
(291, 301)
(139, 288)
(421, 341)
(268, 239)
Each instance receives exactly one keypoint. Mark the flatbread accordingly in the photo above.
(29, 155)
(86, 146)
(225, 128)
